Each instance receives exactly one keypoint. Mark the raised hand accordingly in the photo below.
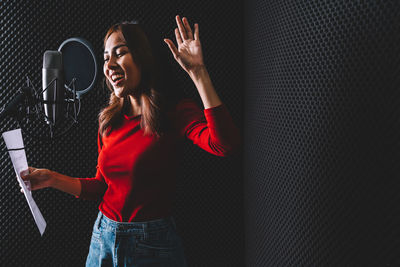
(189, 53)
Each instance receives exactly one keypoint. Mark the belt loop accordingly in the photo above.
(98, 220)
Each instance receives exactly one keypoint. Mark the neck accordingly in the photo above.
(133, 108)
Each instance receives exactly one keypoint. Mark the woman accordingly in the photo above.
(139, 142)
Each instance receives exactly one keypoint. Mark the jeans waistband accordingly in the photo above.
(162, 223)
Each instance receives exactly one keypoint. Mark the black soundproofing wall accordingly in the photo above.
(322, 120)
(209, 199)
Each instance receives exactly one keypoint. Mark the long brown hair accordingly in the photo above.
(153, 103)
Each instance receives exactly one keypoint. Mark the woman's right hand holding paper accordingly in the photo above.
(38, 178)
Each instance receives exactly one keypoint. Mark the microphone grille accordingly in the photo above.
(52, 60)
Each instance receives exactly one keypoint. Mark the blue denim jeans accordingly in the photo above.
(138, 244)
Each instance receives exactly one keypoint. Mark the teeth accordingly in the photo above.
(116, 77)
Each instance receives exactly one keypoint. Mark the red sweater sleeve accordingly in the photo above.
(212, 129)
(95, 187)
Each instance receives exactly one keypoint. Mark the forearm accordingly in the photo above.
(204, 86)
(65, 183)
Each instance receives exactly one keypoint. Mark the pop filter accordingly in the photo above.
(79, 63)
(80, 73)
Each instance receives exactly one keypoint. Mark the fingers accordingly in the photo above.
(188, 29)
(172, 47)
(30, 173)
(27, 172)
(25, 175)
(182, 29)
(27, 184)
(24, 172)
(35, 176)
(196, 32)
(178, 37)
(182, 33)
(35, 179)
(19, 183)
(185, 31)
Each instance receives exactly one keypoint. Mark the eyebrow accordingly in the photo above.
(115, 47)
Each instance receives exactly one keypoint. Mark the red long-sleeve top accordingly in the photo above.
(136, 174)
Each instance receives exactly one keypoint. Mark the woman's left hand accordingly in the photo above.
(188, 54)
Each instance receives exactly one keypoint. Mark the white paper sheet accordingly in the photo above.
(14, 140)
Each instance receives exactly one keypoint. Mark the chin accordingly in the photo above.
(120, 93)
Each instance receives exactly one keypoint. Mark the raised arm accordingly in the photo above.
(214, 131)
(190, 56)
(211, 129)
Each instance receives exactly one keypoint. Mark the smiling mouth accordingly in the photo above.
(116, 77)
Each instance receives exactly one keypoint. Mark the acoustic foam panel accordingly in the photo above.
(322, 133)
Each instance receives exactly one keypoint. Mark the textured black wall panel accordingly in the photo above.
(209, 199)
(322, 133)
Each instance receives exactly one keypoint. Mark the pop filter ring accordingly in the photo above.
(72, 89)
(89, 47)
(38, 98)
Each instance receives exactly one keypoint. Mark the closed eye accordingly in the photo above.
(120, 54)
(117, 55)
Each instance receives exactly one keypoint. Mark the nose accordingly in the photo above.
(111, 63)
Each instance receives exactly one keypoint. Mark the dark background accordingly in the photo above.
(316, 97)
(322, 133)
(209, 199)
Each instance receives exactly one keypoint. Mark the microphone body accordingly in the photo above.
(53, 86)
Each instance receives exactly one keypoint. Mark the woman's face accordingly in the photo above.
(119, 67)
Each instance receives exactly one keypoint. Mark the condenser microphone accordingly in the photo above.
(67, 75)
(53, 87)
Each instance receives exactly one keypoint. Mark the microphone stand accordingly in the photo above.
(31, 109)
